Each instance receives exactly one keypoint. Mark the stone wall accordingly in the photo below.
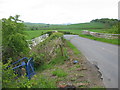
(101, 35)
(37, 40)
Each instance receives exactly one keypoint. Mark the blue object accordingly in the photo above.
(75, 61)
(28, 66)
(23, 63)
(19, 60)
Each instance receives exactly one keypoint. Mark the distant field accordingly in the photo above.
(93, 30)
(78, 26)
(88, 26)
(33, 34)
(36, 33)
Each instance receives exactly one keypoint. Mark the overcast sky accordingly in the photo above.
(59, 11)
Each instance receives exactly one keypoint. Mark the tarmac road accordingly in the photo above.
(104, 55)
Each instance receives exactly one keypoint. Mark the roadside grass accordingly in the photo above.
(59, 72)
(111, 41)
(75, 67)
(42, 82)
(58, 60)
(78, 66)
(76, 51)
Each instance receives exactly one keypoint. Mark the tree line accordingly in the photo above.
(106, 21)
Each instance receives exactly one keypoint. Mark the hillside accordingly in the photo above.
(79, 26)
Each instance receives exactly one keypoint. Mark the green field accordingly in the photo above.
(78, 26)
(36, 33)
(33, 34)
(88, 26)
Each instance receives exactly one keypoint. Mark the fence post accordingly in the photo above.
(61, 48)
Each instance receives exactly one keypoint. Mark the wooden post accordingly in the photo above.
(61, 49)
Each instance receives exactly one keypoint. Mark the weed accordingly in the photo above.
(59, 73)
(77, 66)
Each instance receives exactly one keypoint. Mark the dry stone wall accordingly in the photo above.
(101, 35)
(37, 40)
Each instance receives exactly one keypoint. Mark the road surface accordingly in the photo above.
(104, 55)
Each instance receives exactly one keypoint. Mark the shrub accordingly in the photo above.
(14, 42)
(10, 79)
(38, 59)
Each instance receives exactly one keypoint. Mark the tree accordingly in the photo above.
(14, 42)
(111, 22)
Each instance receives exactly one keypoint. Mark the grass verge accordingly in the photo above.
(59, 73)
(76, 51)
(111, 41)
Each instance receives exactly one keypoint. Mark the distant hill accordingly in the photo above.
(78, 26)
(29, 23)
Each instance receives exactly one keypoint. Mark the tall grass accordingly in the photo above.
(59, 73)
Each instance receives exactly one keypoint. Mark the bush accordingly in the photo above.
(10, 80)
(38, 59)
(14, 42)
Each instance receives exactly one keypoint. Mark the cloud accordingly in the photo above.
(59, 11)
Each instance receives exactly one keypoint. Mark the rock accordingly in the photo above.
(80, 69)
(84, 68)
